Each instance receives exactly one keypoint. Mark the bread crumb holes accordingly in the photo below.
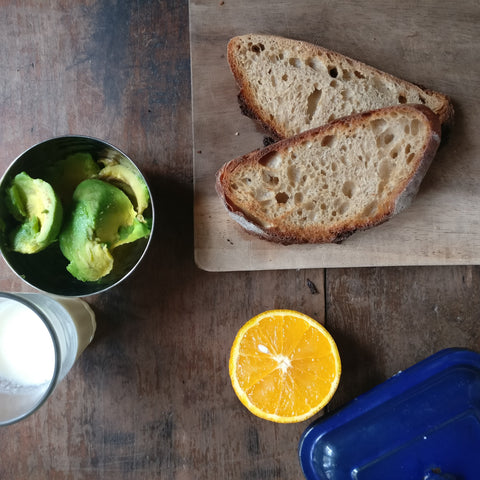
(282, 197)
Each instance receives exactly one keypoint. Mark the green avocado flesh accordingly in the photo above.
(102, 218)
(129, 181)
(91, 206)
(37, 211)
(66, 174)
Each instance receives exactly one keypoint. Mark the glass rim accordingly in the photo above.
(56, 347)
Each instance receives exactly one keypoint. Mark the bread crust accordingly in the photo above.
(274, 128)
(397, 201)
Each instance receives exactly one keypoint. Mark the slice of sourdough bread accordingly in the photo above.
(290, 86)
(324, 184)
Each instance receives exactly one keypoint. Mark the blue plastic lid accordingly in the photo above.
(421, 424)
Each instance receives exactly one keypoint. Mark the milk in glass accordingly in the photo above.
(40, 339)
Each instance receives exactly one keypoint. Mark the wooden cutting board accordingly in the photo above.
(433, 43)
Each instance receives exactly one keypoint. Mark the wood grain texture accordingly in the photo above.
(386, 319)
(428, 42)
(150, 398)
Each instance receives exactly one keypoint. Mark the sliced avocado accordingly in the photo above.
(100, 212)
(67, 173)
(133, 232)
(34, 204)
(130, 182)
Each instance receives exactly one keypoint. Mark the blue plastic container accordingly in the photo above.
(421, 424)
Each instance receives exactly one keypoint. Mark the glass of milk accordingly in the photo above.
(40, 339)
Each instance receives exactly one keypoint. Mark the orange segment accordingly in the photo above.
(284, 366)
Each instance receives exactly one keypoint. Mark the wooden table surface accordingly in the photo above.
(150, 398)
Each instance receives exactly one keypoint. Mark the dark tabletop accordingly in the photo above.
(151, 398)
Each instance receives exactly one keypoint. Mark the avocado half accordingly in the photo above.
(66, 174)
(102, 218)
(129, 181)
(37, 211)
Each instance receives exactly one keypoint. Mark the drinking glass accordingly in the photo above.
(41, 336)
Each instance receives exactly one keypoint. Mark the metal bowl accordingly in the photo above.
(46, 270)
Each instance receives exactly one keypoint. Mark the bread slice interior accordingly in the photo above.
(326, 183)
(291, 86)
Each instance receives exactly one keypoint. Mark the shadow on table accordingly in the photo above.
(165, 269)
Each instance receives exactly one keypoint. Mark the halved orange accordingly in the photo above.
(284, 366)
